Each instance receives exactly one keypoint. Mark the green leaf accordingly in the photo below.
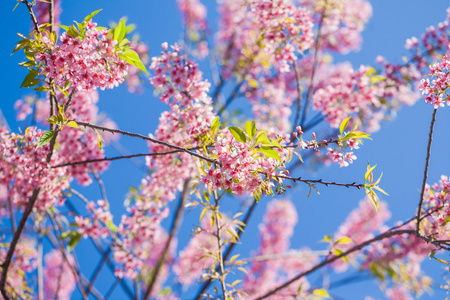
(73, 124)
(338, 252)
(132, 58)
(21, 44)
(263, 139)
(269, 152)
(61, 114)
(204, 211)
(321, 292)
(53, 119)
(66, 28)
(344, 124)
(343, 240)
(238, 134)
(76, 237)
(91, 15)
(30, 80)
(112, 226)
(369, 171)
(253, 83)
(46, 137)
(73, 32)
(250, 128)
(381, 190)
(119, 31)
(41, 89)
(28, 63)
(371, 194)
(215, 123)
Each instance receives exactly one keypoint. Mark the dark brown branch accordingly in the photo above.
(425, 174)
(148, 139)
(12, 246)
(320, 181)
(175, 224)
(119, 157)
(32, 15)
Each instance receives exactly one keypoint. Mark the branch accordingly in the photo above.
(230, 98)
(148, 139)
(326, 183)
(32, 15)
(219, 248)
(120, 157)
(175, 224)
(299, 99)
(229, 249)
(334, 258)
(425, 174)
(316, 63)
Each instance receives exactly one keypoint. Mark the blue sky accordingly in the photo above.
(398, 149)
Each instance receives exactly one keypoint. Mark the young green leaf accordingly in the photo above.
(238, 134)
(46, 137)
(73, 124)
(119, 31)
(269, 152)
(30, 80)
(250, 128)
(91, 15)
(344, 124)
(76, 237)
(53, 120)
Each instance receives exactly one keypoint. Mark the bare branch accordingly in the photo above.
(425, 174)
(148, 139)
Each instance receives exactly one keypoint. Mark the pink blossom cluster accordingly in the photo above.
(80, 145)
(241, 170)
(338, 155)
(86, 62)
(24, 261)
(432, 44)
(77, 145)
(257, 35)
(281, 263)
(59, 280)
(95, 226)
(181, 85)
(24, 169)
(359, 226)
(436, 91)
(437, 197)
(133, 79)
(194, 17)
(348, 92)
(138, 232)
(342, 22)
(397, 248)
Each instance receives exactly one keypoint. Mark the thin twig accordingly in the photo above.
(425, 174)
(148, 139)
(315, 65)
(229, 249)
(120, 157)
(175, 224)
(230, 99)
(299, 98)
(320, 181)
(219, 248)
(32, 15)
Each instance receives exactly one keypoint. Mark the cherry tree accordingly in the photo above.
(250, 111)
